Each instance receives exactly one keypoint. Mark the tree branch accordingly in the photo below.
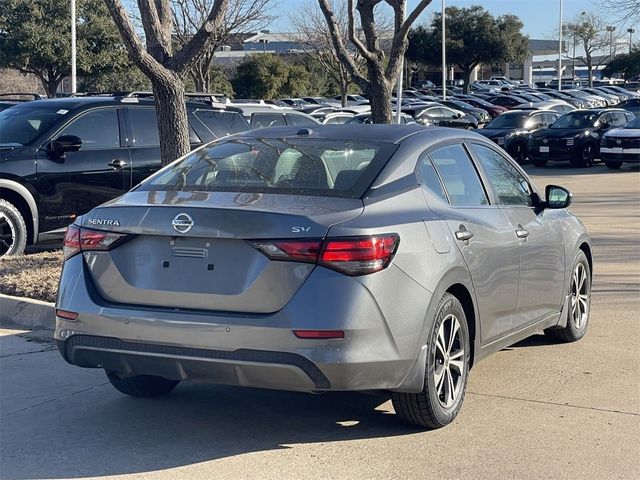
(399, 43)
(184, 59)
(364, 51)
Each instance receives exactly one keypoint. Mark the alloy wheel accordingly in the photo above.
(518, 153)
(7, 234)
(579, 297)
(448, 374)
(588, 155)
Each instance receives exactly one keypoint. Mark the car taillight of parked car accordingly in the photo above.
(351, 256)
(78, 239)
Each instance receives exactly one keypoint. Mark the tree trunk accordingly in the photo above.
(344, 89)
(590, 70)
(50, 86)
(379, 93)
(466, 75)
(171, 112)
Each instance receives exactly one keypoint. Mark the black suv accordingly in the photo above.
(575, 136)
(511, 130)
(59, 158)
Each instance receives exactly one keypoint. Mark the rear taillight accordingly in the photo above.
(78, 239)
(349, 255)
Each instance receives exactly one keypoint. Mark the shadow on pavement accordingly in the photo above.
(96, 431)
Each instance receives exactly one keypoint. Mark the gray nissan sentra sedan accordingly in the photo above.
(364, 257)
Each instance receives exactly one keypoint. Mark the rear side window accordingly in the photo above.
(98, 129)
(460, 178)
(222, 124)
(298, 166)
(428, 177)
(144, 126)
(260, 120)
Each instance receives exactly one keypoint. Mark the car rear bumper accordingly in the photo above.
(257, 350)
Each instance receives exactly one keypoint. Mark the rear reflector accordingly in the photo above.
(66, 314)
(319, 334)
(78, 239)
(348, 255)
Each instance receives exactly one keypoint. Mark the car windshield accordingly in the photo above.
(294, 166)
(508, 120)
(576, 120)
(22, 124)
(635, 123)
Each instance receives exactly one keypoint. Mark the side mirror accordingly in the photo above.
(557, 197)
(63, 144)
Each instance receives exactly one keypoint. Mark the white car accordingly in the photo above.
(621, 145)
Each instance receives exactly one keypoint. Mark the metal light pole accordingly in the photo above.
(73, 46)
(560, 50)
(400, 76)
(444, 56)
(610, 29)
(630, 31)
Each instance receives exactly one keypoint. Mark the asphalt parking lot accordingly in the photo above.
(535, 410)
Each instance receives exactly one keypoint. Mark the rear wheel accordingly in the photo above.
(446, 371)
(539, 163)
(142, 385)
(579, 303)
(13, 230)
(518, 152)
(585, 156)
(613, 165)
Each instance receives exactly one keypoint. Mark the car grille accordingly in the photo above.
(624, 142)
(569, 141)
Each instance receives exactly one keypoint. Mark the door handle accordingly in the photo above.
(463, 234)
(521, 232)
(117, 163)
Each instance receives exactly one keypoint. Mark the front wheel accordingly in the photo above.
(579, 303)
(13, 230)
(586, 156)
(539, 163)
(146, 386)
(518, 152)
(446, 371)
(613, 165)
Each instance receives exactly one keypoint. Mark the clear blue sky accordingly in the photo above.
(540, 17)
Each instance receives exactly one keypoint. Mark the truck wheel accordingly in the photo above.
(142, 385)
(13, 230)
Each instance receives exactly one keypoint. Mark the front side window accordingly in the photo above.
(98, 129)
(304, 166)
(460, 178)
(509, 185)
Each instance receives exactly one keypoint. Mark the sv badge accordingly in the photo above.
(300, 229)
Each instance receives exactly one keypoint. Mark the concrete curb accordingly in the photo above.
(27, 312)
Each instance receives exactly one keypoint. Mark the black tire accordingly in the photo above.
(585, 156)
(146, 386)
(427, 408)
(613, 165)
(518, 151)
(539, 163)
(575, 329)
(13, 230)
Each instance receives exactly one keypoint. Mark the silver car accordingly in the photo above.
(351, 257)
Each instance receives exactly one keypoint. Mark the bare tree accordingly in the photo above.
(590, 32)
(381, 72)
(242, 17)
(628, 11)
(164, 67)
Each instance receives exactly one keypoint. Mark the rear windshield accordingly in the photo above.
(21, 125)
(222, 124)
(508, 120)
(294, 166)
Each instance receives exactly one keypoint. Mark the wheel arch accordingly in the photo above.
(18, 195)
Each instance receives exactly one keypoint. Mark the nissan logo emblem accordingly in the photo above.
(545, 141)
(182, 223)
(618, 141)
